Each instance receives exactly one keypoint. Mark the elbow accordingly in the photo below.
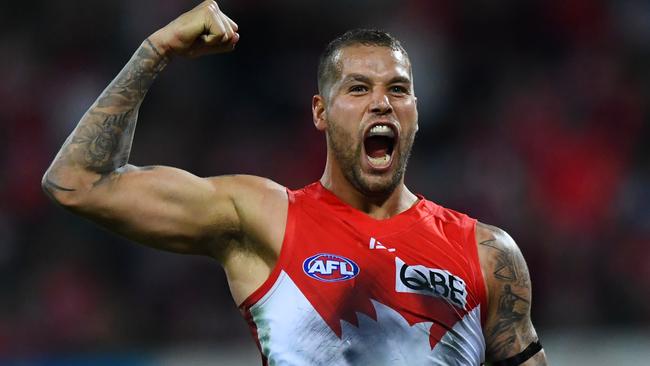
(63, 196)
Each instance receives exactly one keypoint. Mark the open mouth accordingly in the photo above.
(378, 144)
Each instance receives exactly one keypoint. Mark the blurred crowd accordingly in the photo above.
(534, 116)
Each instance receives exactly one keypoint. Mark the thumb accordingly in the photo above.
(209, 39)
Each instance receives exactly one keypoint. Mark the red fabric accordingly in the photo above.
(426, 234)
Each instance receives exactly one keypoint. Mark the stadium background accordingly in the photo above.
(533, 116)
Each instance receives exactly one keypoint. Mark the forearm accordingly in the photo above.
(101, 142)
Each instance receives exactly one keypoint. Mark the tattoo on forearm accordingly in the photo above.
(51, 184)
(513, 302)
(154, 49)
(101, 143)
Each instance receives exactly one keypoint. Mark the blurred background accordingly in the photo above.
(534, 116)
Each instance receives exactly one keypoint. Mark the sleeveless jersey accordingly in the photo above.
(348, 289)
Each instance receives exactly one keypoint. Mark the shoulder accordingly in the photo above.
(490, 234)
(249, 191)
(261, 206)
(244, 182)
(501, 259)
(457, 222)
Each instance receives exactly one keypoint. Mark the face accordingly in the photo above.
(370, 117)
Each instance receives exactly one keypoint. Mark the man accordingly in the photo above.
(353, 269)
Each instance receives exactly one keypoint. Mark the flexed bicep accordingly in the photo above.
(163, 207)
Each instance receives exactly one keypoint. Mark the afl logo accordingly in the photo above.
(330, 267)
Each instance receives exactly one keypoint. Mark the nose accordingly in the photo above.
(380, 104)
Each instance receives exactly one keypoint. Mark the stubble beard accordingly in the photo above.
(348, 155)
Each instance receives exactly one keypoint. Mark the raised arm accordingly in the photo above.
(159, 206)
(509, 333)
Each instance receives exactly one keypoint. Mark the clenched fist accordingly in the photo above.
(202, 30)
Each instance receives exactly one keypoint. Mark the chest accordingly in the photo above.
(418, 269)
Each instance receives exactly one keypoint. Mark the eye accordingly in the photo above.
(358, 89)
(398, 89)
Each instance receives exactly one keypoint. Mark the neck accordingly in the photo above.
(380, 206)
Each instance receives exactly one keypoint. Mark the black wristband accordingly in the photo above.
(522, 356)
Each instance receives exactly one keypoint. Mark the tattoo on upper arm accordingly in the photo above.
(102, 140)
(512, 287)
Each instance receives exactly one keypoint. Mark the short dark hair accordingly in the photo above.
(328, 70)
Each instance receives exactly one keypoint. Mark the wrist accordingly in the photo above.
(156, 43)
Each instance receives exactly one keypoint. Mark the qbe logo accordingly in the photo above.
(418, 279)
(330, 267)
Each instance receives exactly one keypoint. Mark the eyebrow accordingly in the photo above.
(399, 79)
(365, 79)
(357, 77)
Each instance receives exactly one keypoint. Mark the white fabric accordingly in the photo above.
(291, 332)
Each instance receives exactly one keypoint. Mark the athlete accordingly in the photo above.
(353, 269)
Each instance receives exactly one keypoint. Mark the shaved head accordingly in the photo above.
(329, 68)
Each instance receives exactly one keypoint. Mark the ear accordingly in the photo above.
(318, 112)
(417, 124)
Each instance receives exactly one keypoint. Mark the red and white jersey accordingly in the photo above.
(351, 290)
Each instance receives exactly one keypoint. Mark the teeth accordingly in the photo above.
(382, 130)
(379, 161)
